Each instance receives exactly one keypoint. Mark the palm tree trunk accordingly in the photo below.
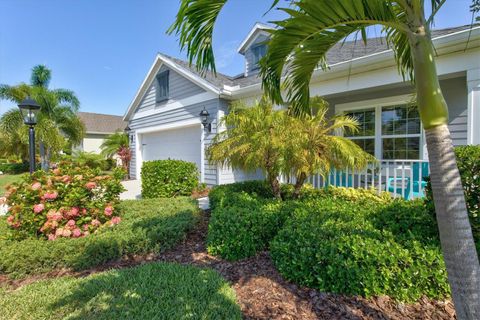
(298, 185)
(456, 238)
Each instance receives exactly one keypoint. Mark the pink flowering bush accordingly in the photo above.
(67, 202)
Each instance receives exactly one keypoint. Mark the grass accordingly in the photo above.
(148, 226)
(6, 179)
(151, 291)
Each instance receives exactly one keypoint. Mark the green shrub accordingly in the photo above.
(14, 168)
(468, 161)
(148, 226)
(65, 202)
(351, 248)
(168, 178)
(151, 291)
(219, 195)
(244, 226)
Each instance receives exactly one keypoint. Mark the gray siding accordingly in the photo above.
(179, 88)
(454, 91)
(228, 175)
(249, 62)
(178, 115)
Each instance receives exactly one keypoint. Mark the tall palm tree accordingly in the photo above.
(299, 46)
(57, 118)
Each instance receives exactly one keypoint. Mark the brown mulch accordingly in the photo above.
(263, 294)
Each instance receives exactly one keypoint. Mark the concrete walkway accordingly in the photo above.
(134, 192)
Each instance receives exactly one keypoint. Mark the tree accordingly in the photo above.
(279, 143)
(311, 146)
(253, 140)
(117, 144)
(57, 118)
(299, 46)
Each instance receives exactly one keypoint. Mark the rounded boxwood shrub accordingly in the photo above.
(244, 226)
(343, 247)
(14, 168)
(220, 195)
(168, 178)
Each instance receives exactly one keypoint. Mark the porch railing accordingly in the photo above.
(402, 178)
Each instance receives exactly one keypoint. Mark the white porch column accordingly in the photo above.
(473, 87)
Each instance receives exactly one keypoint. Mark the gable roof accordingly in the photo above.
(257, 29)
(339, 53)
(102, 123)
(220, 83)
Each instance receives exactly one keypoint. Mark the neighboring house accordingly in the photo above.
(362, 81)
(98, 126)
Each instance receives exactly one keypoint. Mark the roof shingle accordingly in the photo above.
(102, 123)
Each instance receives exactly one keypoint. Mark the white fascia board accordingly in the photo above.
(453, 42)
(147, 82)
(257, 29)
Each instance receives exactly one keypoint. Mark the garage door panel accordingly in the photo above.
(179, 144)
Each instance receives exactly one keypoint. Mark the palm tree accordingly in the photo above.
(299, 46)
(117, 144)
(253, 140)
(57, 118)
(311, 146)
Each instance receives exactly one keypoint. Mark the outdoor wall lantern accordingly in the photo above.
(205, 120)
(127, 131)
(29, 109)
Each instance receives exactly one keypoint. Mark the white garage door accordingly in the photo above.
(179, 144)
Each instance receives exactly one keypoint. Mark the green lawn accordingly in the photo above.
(152, 291)
(6, 179)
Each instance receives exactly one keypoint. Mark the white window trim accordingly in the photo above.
(377, 104)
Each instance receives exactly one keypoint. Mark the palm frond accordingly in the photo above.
(299, 46)
(41, 76)
(65, 96)
(194, 26)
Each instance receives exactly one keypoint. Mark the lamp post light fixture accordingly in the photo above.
(204, 117)
(29, 109)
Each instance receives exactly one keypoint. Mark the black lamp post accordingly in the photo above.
(29, 109)
(204, 118)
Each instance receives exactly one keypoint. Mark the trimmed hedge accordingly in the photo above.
(363, 249)
(14, 168)
(468, 161)
(244, 226)
(148, 226)
(343, 240)
(168, 178)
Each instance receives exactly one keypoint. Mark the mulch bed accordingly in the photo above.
(263, 294)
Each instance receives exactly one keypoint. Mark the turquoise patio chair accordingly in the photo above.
(394, 185)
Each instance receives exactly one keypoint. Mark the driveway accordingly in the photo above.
(133, 190)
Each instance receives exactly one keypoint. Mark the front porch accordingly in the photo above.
(401, 178)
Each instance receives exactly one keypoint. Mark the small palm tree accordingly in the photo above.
(299, 46)
(252, 141)
(57, 118)
(117, 144)
(312, 146)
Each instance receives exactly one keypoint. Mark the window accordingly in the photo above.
(365, 137)
(259, 52)
(162, 86)
(400, 132)
(388, 132)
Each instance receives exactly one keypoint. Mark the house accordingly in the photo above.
(362, 81)
(98, 126)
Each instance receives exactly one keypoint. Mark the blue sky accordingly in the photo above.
(102, 49)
